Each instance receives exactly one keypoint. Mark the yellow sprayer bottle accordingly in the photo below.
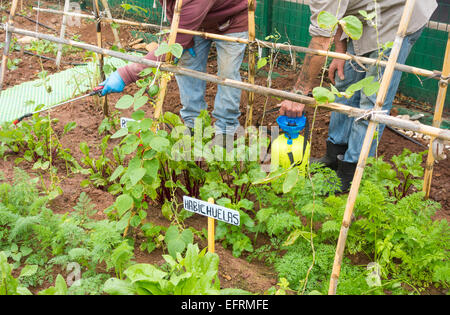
(290, 147)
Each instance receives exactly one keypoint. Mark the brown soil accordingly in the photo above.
(234, 272)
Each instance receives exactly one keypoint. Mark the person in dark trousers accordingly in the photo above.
(345, 134)
(228, 17)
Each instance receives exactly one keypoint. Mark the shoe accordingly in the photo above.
(330, 157)
(345, 172)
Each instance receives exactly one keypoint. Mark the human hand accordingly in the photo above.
(113, 84)
(291, 109)
(336, 65)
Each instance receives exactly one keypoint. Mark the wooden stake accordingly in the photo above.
(262, 90)
(62, 33)
(114, 30)
(437, 119)
(386, 80)
(364, 60)
(101, 62)
(10, 23)
(251, 60)
(172, 38)
(211, 233)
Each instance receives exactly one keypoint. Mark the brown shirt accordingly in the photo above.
(212, 16)
(389, 13)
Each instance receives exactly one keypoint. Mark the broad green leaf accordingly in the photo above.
(28, 270)
(327, 20)
(176, 50)
(352, 26)
(144, 272)
(138, 115)
(372, 88)
(290, 180)
(120, 133)
(323, 95)
(140, 101)
(124, 203)
(162, 49)
(125, 102)
(160, 144)
(175, 246)
(261, 63)
(136, 175)
(115, 286)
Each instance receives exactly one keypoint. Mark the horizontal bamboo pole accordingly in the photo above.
(363, 60)
(344, 109)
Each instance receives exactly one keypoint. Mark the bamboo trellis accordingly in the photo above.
(374, 118)
(290, 48)
(344, 109)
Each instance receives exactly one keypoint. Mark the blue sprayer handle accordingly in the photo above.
(292, 126)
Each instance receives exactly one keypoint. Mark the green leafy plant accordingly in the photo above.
(195, 273)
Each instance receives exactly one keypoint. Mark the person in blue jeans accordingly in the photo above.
(346, 134)
(224, 17)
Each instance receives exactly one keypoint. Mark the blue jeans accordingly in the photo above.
(192, 91)
(343, 129)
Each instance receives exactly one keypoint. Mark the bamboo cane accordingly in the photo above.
(62, 33)
(251, 60)
(98, 24)
(262, 90)
(211, 233)
(114, 30)
(172, 39)
(385, 83)
(364, 60)
(437, 119)
(7, 42)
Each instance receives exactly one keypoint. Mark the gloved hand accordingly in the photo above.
(190, 50)
(113, 84)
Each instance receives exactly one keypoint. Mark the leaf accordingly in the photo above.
(290, 180)
(327, 20)
(125, 102)
(28, 271)
(261, 63)
(295, 235)
(352, 26)
(117, 172)
(371, 88)
(138, 115)
(323, 95)
(69, 126)
(162, 49)
(160, 144)
(136, 175)
(176, 50)
(175, 246)
(116, 286)
(124, 203)
(140, 101)
(120, 133)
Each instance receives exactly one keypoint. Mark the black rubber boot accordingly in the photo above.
(330, 157)
(345, 172)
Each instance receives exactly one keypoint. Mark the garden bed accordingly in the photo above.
(254, 276)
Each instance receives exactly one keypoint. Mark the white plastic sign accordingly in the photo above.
(124, 121)
(212, 210)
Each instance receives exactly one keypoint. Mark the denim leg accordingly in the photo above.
(359, 129)
(228, 99)
(192, 90)
(341, 124)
